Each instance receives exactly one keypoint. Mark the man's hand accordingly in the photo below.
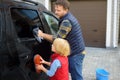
(40, 33)
(48, 37)
(35, 33)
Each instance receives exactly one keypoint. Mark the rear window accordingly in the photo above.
(25, 20)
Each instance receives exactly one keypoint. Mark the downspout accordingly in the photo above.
(115, 23)
(47, 4)
(112, 23)
(109, 24)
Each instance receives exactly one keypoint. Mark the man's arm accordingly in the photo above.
(45, 36)
(65, 28)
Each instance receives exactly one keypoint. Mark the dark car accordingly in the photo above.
(18, 43)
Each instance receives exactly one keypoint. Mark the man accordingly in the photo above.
(70, 30)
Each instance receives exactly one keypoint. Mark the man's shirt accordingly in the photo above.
(64, 29)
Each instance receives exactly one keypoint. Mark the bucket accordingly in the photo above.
(102, 74)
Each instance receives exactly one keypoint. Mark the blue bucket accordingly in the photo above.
(102, 74)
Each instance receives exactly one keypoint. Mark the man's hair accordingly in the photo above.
(64, 3)
(61, 46)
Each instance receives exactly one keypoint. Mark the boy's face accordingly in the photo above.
(53, 48)
(60, 11)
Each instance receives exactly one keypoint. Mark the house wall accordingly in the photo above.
(41, 1)
(92, 18)
(47, 3)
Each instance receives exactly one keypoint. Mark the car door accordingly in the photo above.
(24, 21)
(1, 42)
(5, 59)
(12, 68)
(21, 43)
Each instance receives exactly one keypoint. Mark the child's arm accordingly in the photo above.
(47, 63)
(53, 68)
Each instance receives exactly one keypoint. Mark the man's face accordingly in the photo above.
(60, 11)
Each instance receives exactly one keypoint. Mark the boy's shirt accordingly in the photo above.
(56, 64)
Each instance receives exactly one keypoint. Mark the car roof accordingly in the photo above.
(23, 4)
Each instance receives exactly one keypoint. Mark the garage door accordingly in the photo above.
(92, 17)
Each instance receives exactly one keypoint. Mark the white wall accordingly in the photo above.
(45, 2)
(112, 28)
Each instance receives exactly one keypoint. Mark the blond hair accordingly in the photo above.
(61, 46)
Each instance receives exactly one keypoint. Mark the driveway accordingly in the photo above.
(108, 59)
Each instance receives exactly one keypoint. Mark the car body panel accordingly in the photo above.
(17, 42)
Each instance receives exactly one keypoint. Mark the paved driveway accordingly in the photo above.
(108, 59)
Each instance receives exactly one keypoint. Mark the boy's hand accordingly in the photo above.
(42, 60)
(39, 67)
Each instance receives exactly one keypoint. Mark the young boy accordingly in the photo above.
(59, 64)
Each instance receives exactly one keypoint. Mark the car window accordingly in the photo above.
(52, 22)
(25, 21)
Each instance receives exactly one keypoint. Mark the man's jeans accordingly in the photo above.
(75, 66)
